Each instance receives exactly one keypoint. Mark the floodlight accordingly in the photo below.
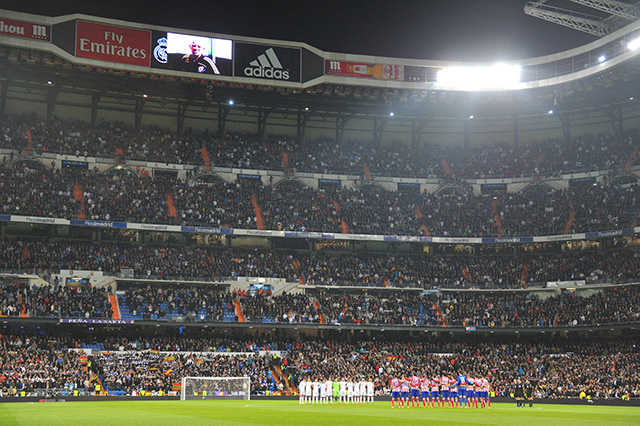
(231, 102)
(634, 44)
(550, 112)
(602, 58)
(499, 76)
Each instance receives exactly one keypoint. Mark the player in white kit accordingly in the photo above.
(302, 387)
(350, 392)
(343, 391)
(363, 391)
(370, 391)
(316, 392)
(328, 384)
(323, 392)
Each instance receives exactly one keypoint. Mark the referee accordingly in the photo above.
(519, 393)
(529, 392)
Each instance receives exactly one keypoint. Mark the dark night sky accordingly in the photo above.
(464, 30)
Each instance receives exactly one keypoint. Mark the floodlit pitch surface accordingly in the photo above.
(176, 413)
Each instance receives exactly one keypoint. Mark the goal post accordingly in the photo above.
(215, 388)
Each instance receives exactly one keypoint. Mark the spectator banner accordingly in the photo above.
(113, 44)
(206, 230)
(318, 235)
(94, 321)
(98, 223)
(9, 27)
(266, 62)
(507, 240)
(152, 227)
(362, 69)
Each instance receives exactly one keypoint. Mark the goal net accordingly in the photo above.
(215, 388)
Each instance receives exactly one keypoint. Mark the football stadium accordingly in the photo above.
(207, 228)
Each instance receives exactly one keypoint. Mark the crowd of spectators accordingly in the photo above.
(463, 270)
(50, 301)
(284, 308)
(239, 150)
(31, 365)
(600, 369)
(193, 303)
(445, 308)
(69, 194)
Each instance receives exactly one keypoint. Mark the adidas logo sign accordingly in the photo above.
(267, 65)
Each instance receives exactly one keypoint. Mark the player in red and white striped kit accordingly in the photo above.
(394, 383)
(424, 391)
(414, 382)
(435, 391)
(444, 391)
(404, 391)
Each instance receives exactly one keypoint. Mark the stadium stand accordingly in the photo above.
(126, 261)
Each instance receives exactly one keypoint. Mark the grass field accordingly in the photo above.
(177, 413)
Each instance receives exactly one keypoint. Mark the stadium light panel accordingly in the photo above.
(499, 76)
(634, 44)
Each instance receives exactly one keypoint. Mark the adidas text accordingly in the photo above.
(266, 73)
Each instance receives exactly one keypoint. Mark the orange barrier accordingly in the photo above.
(275, 376)
(627, 167)
(317, 306)
(288, 386)
(27, 151)
(345, 228)
(79, 196)
(238, 311)
(444, 323)
(285, 160)
(367, 172)
(572, 218)
(205, 158)
(496, 213)
(465, 271)
(114, 307)
(445, 167)
(258, 212)
(172, 206)
(419, 215)
(23, 310)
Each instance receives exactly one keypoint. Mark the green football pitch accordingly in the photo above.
(176, 413)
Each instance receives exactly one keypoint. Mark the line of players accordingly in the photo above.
(460, 392)
(331, 391)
